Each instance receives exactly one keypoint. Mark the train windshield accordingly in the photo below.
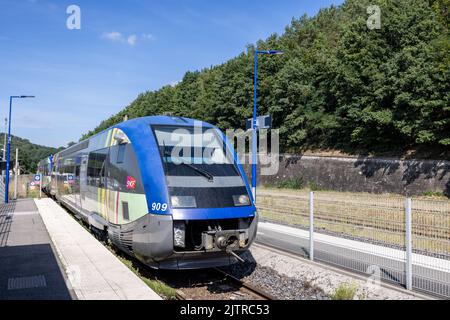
(200, 170)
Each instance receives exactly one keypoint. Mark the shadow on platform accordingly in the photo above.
(29, 269)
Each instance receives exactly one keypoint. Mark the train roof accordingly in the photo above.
(157, 120)
(166, 120)
(137, 123)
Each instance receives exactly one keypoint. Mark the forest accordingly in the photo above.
(338, 86)
(29, 153)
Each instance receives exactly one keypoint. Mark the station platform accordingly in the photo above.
(46, 254)
(94, 272)
(29, 266)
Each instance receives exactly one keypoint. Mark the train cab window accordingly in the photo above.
(204, 150)
(121, 153)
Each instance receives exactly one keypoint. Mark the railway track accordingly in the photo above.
(210, 284)
(244, 289)
(248, 286)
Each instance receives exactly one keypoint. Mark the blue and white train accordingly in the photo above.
(168, 190)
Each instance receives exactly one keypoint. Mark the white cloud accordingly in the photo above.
(113, 36)
(148, 36)
(132, 39)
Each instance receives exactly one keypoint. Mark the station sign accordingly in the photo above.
(70, 178)
(37, 179)
(263, 122)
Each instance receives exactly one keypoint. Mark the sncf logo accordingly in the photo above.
(131, 183)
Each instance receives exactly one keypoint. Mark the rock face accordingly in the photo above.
(375, 175)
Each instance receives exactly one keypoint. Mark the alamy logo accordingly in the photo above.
(374, 280)
(374, 20)
(73, 22)
(73, 277)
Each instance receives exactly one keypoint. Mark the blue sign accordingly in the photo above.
(263, 122)
(37, 177)
(69, 177)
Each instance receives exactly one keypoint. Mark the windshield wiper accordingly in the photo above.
(203, 172)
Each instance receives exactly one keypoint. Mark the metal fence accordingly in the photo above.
(404, 241)
(24, 188)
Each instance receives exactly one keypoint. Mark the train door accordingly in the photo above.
(83, 181)
(95, 195)
(76, 183)
(54, 178)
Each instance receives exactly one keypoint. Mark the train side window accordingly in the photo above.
(121, 153)
(96, 167)
(125, 213)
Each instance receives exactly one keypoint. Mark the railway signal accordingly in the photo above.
(255, 114)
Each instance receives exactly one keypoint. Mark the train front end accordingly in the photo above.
(202, 213)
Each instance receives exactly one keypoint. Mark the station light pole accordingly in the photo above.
(8, 147)
(4, 139)
(255, 115)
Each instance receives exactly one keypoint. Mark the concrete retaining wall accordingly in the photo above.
(376, 175)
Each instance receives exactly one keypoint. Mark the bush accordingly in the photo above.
(314, 186)
(345, 292)
(431, 193)
(293, 183)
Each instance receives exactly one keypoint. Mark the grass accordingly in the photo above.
(293, 183)
(432, 194)
(159, 287)
(345, 291)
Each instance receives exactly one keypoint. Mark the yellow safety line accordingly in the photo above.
(103, 202)
(98, 200)
(107, 204)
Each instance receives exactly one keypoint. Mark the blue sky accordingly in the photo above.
(81, 77)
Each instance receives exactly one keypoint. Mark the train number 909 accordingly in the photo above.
(156, 206)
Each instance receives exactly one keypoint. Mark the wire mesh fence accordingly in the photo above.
(26, 187)
(431, 246)
(368, 233)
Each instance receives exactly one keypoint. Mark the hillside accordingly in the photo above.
(29, 153)
(339, 85)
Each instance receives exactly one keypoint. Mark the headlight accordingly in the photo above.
(183, 202)
(241, 200)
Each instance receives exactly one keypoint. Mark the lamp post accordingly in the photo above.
(4, 140)
(8, 147)
(255, 114)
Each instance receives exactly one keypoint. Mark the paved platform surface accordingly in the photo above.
(94, 272)
(29, 265)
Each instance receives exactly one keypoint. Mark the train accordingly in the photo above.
(169, 191)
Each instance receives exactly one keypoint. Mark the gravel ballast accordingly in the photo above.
(292, 278)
